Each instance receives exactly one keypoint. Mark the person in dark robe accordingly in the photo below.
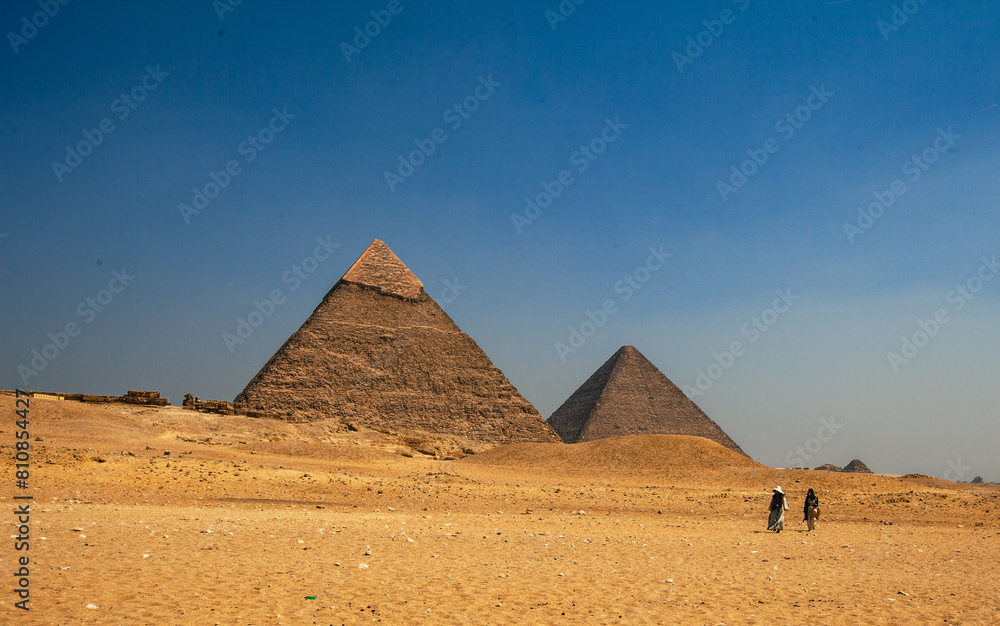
(778, 506)
(811, 509)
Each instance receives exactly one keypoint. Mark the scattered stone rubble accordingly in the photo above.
(149, 398)
(222, 407)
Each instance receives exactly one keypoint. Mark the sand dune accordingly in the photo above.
(628, 454)
(245, 520)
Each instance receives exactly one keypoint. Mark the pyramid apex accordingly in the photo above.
(626, 354)
(380, 268)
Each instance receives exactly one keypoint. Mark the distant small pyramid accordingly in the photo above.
(857, 467)
(827, 467)
(628, 395)
(379, 352)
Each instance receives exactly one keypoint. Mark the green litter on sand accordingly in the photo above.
(310, 597)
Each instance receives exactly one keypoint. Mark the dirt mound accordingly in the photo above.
(628, 454)
(931, 482)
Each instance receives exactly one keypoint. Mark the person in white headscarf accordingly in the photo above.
(778, 506)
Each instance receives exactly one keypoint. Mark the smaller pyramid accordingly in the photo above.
(628, 395)
(857, 467)
(827, 467)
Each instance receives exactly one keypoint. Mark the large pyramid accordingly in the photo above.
(628, 395)
(379, 352)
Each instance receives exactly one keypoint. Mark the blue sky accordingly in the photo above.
(868, 87)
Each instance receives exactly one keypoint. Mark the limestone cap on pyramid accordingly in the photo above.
(379, 268)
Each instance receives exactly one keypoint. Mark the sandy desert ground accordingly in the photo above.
(166, 516)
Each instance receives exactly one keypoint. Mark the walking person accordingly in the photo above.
(778, 506)
(811, 510)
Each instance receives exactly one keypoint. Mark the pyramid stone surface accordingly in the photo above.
(379, 352)
(628, 395)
